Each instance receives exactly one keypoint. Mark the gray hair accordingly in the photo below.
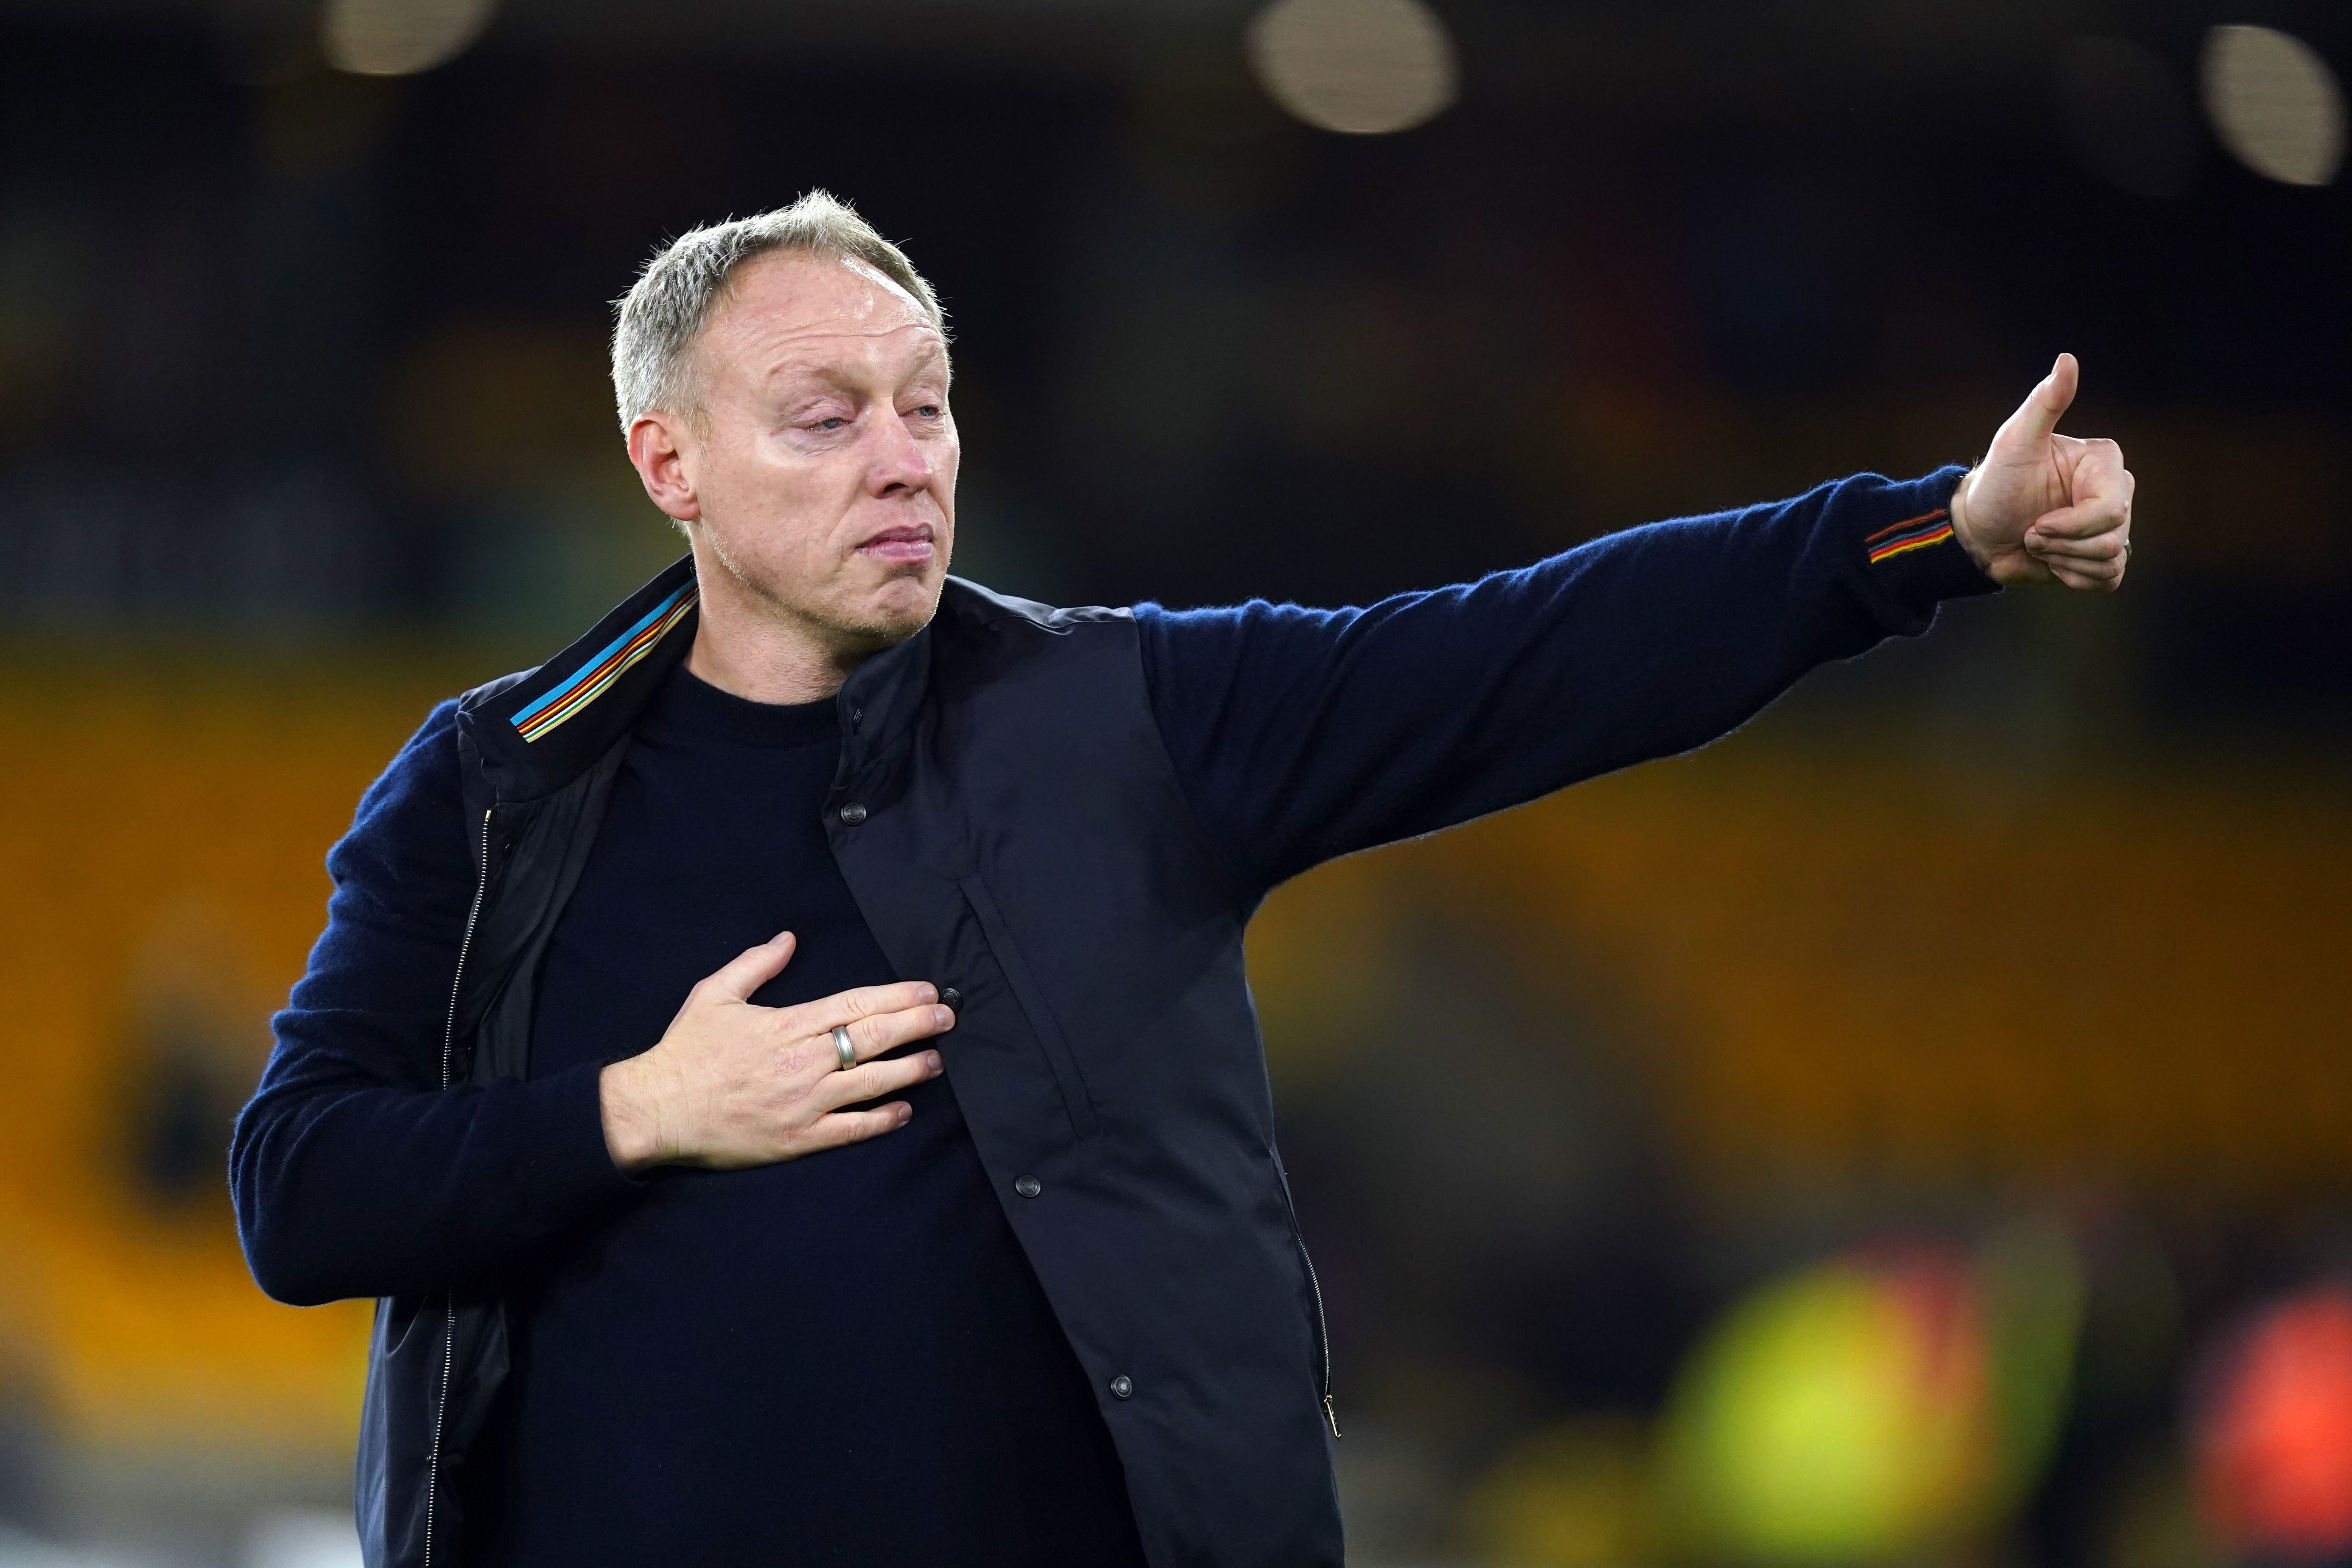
(657, 322)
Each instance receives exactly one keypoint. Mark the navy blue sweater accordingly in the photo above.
(847, 1357)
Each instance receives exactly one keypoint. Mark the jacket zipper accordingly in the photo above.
(449, 1299)
(1322, 1329)
(1314, 1289)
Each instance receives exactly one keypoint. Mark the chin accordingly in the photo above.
(903, 607)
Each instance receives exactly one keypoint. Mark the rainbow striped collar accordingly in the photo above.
(593, 678)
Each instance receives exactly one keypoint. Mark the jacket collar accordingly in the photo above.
(537, 732)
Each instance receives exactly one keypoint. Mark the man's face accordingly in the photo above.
(822, 470)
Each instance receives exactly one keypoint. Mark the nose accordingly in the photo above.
(898, 463)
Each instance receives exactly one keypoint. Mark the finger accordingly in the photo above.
(885, 1032)
(2083, 574)
(2099, 494)
(2082, 524)
(2094, 566)
(2091, 520)
(2099, 547)
(753, 968)
(2037, 416)
(2100, 577)
(875, 1079)
(849, 1006)
(2094, 463)
(852, 1126)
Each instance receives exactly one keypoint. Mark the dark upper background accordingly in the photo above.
(291, 353)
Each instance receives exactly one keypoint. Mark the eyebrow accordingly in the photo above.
(841, 371)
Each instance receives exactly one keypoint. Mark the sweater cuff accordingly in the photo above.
(563, 1163)
(1907, 548)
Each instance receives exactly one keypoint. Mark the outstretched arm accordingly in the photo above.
(1300, 735)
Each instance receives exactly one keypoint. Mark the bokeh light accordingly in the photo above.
(2273, 1437)
(1871, 1407)
(301, 1539)
(400, 38)
(2275, 104)
(1572, 1495)
(1363, 67)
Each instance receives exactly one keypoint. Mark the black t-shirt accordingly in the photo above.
(841, 1359)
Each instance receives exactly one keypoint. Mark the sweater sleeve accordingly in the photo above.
(354, 1171)
(1300, 735)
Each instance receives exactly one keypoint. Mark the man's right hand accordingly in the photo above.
(733, 1085)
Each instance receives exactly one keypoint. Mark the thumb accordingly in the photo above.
(2036, 419)
(755, 967)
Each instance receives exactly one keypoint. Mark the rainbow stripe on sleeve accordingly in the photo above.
(1911, 533)
(606, 667)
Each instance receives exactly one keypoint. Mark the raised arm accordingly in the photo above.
(1300, 735)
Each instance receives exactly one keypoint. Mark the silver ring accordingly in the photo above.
(843, 1048)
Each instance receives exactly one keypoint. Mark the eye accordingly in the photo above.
(830, 422)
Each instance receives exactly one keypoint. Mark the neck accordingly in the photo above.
(749, 649)
(764, 673)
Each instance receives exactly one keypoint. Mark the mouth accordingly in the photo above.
(909, 545)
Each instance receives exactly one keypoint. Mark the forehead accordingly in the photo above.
(789, 307)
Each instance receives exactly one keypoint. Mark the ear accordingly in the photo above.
(662, 449)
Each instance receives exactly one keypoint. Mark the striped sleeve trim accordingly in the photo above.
(1912, 533)
(606, 667)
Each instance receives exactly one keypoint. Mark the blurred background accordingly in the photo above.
(1913, 1132)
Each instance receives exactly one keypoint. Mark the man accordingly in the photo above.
(617, 1074)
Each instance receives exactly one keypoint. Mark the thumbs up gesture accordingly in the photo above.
(2046, 507)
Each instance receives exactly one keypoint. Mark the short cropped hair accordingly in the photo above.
(657, 322)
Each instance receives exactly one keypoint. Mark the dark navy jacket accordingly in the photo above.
(1013, 823)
